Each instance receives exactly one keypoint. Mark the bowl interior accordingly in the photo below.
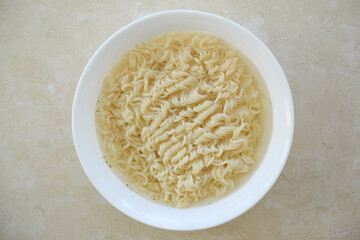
(138, 207)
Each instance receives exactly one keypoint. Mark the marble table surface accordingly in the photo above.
(44, 47)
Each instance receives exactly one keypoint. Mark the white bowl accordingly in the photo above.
(147, 211)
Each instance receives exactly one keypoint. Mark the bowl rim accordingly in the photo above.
(215, 221)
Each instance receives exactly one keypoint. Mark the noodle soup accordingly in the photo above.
(183, 117)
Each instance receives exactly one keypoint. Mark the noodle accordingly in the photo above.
(178, 117)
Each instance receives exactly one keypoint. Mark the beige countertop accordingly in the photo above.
(44, 47)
